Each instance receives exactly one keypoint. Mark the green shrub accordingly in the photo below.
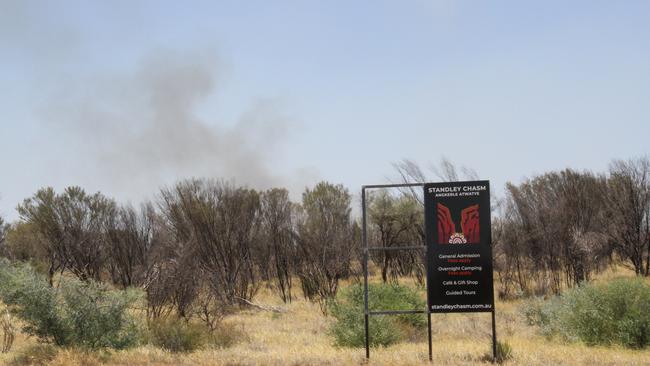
(544, 314)
(98, 317)
(617, 312)
(82, 314)
(348, 309)
(33, 300)
(177, 335)
(349, 330)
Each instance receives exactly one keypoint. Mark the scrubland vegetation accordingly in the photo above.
(214, 273)
(616, 312)
(302, 335)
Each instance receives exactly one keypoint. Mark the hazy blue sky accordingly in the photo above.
(125, 96)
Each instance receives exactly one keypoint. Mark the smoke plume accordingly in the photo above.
(133, 133)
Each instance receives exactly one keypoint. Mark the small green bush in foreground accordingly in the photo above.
(179, 335)
(80, 314)
(616, 312)
(348, 309)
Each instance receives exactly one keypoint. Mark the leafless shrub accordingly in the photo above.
(628, 212)
(210, 308)
(550, 229)
(326, 242)
(277, 254)
(173, 278)
(394, 222)
(221, 223)
(130, 240)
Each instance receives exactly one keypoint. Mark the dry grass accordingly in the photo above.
(300, 337)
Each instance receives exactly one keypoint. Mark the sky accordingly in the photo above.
(125, 97)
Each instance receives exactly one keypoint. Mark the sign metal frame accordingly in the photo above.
(366, 251)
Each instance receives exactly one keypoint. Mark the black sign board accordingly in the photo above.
(459, 247)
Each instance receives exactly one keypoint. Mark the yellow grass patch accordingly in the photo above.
(300, 337)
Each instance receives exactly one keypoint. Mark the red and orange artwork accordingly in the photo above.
(469, 225)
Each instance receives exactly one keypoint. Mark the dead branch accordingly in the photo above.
(274, 309)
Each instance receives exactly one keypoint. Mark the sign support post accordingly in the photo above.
(494, 336)
(365, 272)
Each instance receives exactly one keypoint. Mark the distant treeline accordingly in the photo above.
(204, 246)
(200, 249)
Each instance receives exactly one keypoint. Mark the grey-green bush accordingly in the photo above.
(616, 312)
(178, 335)
(348, 309)
(81, 314)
